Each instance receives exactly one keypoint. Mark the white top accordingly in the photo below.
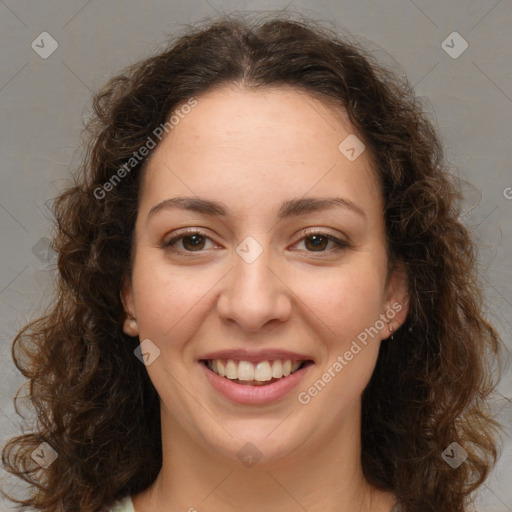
(125, 505)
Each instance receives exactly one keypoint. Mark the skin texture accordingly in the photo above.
(253, 150)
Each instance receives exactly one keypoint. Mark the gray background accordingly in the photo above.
(43, 102)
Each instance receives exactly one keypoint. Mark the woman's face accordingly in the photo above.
(267, 273)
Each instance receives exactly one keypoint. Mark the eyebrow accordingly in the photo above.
(290, 208)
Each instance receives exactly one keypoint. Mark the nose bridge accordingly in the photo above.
(253, 295)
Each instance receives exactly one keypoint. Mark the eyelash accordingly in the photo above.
(340, 244)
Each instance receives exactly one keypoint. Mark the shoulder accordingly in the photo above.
(124, 505)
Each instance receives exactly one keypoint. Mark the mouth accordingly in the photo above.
(255, 373)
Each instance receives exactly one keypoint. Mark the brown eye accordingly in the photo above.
(317, 242)
(193, 242)
(320, 241)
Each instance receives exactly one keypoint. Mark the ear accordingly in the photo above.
(397, 299)
(130, 326)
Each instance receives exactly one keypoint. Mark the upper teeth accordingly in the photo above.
(245, 370)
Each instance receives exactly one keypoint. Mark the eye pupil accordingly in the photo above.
(197, 241)
(318, 241)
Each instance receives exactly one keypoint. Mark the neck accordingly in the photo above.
(322, 476)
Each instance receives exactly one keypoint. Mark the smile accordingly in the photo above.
(241, 380)
(254, 374)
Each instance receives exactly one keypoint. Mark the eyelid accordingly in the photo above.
(181, 233)
(340, 243)
(321, 231)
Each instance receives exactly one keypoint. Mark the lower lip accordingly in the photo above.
(255, 395)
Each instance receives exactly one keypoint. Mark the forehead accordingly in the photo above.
(234, 114)
(273, 133)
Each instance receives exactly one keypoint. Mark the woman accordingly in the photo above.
(266, 299)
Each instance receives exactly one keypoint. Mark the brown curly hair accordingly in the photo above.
(94, 402)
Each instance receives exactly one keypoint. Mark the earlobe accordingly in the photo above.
(397, 299)
(130, 326)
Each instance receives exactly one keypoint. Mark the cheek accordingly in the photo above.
(345, 300)
(167, 298)
(348, 304)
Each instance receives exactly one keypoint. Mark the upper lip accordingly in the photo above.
(256, 355)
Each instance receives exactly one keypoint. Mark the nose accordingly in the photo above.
(254, 294)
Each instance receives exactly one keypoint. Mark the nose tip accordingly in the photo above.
(253, 296)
